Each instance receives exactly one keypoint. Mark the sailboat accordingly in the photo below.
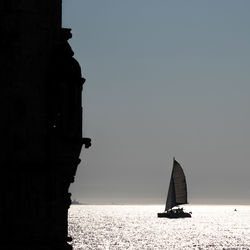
(177, 194)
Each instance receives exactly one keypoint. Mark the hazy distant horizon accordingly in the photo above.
(107, 201)
(163, 79)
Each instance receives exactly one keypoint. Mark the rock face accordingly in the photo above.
(41, 125)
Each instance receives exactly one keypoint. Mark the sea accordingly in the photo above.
(106, 227)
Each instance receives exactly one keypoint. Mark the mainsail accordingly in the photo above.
(177, 192)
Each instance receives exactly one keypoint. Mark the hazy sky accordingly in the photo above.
(163, 78)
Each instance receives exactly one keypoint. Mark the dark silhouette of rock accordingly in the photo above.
(41, 125)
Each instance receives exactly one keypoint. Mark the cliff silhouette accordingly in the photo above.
(41, 125)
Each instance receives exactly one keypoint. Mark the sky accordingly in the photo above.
(164, 79)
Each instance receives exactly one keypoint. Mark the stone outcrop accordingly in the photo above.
(41, 125)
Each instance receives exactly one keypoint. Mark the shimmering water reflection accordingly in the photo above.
(99, 227)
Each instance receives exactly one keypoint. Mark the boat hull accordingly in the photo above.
(174, 215)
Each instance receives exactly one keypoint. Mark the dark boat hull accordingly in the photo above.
(174, 215)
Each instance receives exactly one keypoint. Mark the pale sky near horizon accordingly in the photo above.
(164, 78)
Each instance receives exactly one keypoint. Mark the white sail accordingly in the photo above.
(177, 192)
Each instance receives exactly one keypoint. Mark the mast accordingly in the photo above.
(171, 202)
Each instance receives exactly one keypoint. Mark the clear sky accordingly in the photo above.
(164, 78)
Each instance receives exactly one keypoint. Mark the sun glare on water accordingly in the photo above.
(137, 227)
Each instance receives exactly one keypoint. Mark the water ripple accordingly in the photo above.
(137, 227)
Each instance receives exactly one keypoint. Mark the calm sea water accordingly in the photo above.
(137, 227)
